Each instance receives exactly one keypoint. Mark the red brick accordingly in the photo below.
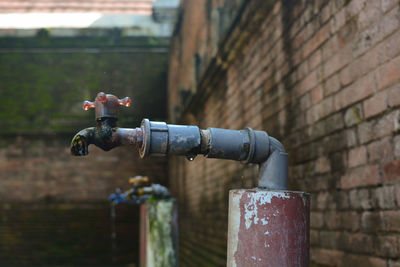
(375, 104)
(316, 220)
(347, 33)
(372, 176)
(315, 59)
(384, 196)
(343, 200)
(360, 177)
(302, 70)
(316, 41)
(388, 4)
(370, 14)
(386, 124)
(314, 237)
(350, 220)
(329, 48)
(365, 40)
(361, 260)
(391, 171)
(322, 165)
(387, 246)
(397, 194)
(316, 95)
(394, 95)
(325, 12)
(394, 263)
(353, 115)
(391, 220)
(332, 220)
(349, 73)
(332, 85)
(358, 242)
(337, 61)
(388, 73)
(371, 221)
(338, 21)
(320, 110)
(357, 91)
(370, 60)
(357, 156)
(323, 199)
(390, 22)
(380, 151)
(397, 146)
(354, 7)
(330, 239)
(351, 138)
(326, 256)
(392, 45)
(307, 84)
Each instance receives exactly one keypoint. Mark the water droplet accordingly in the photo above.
(190, 158)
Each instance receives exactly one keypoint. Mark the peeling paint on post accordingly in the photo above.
(159, 234)
(268, 228)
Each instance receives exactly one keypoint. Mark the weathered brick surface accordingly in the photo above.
(74, 234)
(40, 168)
(324, 78)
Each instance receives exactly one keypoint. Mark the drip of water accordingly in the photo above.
(190, 157)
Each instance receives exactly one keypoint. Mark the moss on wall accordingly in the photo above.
(43, 90)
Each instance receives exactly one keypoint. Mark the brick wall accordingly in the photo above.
(74, 234)
(54, 207)
(43, 83)
(324, 78)
(36, 168)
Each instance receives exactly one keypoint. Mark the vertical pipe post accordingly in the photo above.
(159, 234)
(268, 228)
(143, 235)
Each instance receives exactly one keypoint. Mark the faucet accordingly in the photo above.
(154, 138)
(106, 134)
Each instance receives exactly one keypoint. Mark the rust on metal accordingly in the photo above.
(105, 135)
(268, 228)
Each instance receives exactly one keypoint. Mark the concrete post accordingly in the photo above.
(159, 234)
(268, 228)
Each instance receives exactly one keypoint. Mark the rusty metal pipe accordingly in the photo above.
(105, 136)
(247, 146)
(161, 139)
(128, 136)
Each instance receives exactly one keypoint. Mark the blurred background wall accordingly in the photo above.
(321, 76)
(54, 207)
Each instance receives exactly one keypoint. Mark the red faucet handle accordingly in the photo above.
(87, 105)
(126, 101)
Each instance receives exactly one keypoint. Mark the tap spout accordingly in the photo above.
(105, 136)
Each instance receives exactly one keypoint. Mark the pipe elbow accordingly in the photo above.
(274, 170)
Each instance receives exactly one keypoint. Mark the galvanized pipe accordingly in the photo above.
(247, 146)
